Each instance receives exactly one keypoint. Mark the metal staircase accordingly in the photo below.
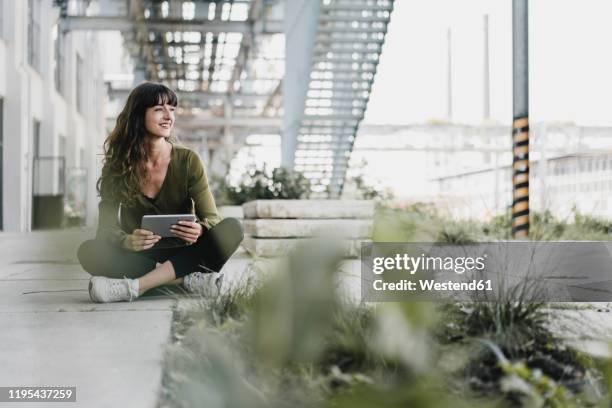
(348, 44)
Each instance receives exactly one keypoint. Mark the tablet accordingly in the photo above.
(160, 224)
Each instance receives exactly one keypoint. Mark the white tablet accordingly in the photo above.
(160, 224)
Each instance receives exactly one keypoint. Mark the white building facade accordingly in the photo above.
(52, 100)
(558, 184)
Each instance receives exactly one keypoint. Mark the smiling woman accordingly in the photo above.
(146, 172)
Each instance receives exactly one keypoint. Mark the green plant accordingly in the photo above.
(518, 331)
(416, 223)
(347, 343)
(289, 340)
(510, 323)
(289, 184)
(257, 184)
(499, 227)
(530, 386)
(357, 187)
(458, 233)
(586, 227)
(544, 226)
(591, 223)
(292, 341)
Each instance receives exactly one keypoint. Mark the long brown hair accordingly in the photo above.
(124, 148)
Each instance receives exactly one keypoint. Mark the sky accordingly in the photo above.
(570, 67)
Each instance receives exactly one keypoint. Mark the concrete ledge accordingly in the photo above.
(281, 247)
(233, 211)
(322, 209)
(279, 228)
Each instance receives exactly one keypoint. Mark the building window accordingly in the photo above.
(62, 146)
(34, 34)
(79, 83)
(37, 166)
(58, 60)
(36, 140)
(62, 155)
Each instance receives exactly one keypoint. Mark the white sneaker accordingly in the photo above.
(105, 290)
(205, 284)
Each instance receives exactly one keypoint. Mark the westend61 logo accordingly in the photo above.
(412, 264)
(537, 271)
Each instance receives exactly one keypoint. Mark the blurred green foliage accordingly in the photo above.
(420, 222)
(289, 339)
(256, 183)
(357, 187)
(545, 227)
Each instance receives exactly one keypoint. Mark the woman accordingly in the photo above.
(146, 172)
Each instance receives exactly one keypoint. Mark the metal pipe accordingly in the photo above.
(449, 73)
(520, 124)
(487, 102)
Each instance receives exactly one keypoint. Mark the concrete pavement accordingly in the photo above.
(51, 334)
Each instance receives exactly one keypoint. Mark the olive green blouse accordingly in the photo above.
(185, 190)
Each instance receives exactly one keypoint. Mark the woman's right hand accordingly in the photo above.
(139, 240)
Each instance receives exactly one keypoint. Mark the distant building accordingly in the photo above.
(465, 170)
(558, 184)
(51, 118)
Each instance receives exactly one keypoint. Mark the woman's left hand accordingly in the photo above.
(187, 231)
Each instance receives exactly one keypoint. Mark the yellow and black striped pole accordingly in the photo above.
(520, 125)
(520, 178)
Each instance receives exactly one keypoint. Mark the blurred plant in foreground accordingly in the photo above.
(544, 226)
(290, 340)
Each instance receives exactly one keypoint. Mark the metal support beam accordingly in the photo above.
(255, 12)
(145, 53)
(301, 20)
(228, 137)
(103, 23)
(487, 82)
(204, 122)
(274, 100)
(449, 74)
(520, 125)
(199, 96)
(354, 7)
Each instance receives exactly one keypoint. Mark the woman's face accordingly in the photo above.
(159, 120)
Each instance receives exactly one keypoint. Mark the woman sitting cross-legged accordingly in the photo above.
(146, 172)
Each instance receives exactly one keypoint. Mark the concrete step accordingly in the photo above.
(321, 209)
(279, 228)
(233, 211)
(269, 247)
